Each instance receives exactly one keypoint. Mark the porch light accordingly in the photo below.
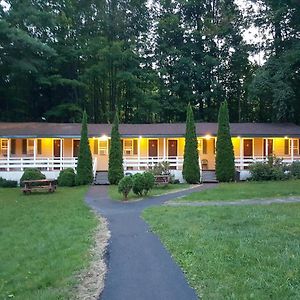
(103, 138)
(286, 137)
(208, 137)
(140, 137)
(238, 137)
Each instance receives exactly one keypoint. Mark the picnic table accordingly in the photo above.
(162, 179)
(41, 185)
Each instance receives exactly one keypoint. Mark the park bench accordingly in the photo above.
(48, 185)
(162, 179)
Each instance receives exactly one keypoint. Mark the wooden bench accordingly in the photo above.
(162, 179)
(48, 185)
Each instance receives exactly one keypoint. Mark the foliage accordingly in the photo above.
(225, 169)
(138, 183)
(115, 164)
(162, 168)
(32, 174)
(7, 183)
(149, 181)
(191, 169)
(294, 169)
(273, 169)
(66, 177)
(51, 236)
(239, 252)
(125, 186)
(85, 163)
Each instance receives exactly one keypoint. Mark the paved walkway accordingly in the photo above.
(235, 203)
(139, 267)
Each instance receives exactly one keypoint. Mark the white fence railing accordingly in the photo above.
(241, 162)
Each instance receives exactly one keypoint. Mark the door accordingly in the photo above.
(172, 148)
(248, 147)
(56, 148)
(152, 148)
(270, 147)
(76, 144)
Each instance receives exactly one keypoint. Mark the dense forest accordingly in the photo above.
(149, 59)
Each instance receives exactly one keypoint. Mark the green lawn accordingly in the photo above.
(247, 190)
(157, 190)
(249, 252)
(45, 239)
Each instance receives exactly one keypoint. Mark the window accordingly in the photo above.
(103, 147)
(128, 147)
(296, 146)
(200, 145)
(30, 146)
(4, 145)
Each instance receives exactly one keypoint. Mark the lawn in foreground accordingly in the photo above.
(45, 240)
(157, 190)
(249, 252)
(247, 190)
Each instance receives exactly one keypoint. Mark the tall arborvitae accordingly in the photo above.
(115, 165)
(85, 163)
(225, 169)
(191, 170)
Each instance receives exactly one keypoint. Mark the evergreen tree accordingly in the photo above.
(225, 170)
(115, 165)
(191, 170)
(84, 166)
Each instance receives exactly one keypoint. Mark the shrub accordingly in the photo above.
(191, 169)
(125, 186)
(115, 163)
(225, 168)
(138, 184)
(8, 183)
(32, 174)
(66, 177)
(149, 181)
(295, 169)
(85, 162)
(273, 169)
(162, 168)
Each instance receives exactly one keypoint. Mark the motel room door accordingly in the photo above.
(172, 148)
(248, 147)
(152, 148)
(56, 148)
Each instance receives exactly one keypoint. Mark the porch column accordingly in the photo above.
(34, 150)
(164, 157)
(241, 154)
(139, 152)
(8, 153)
(61, 153)
(292, 150)
(267, 148)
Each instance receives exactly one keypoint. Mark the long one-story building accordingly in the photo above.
(54, 146)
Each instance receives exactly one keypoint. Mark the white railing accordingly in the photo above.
(143, 163)
(241, 162)
(43, 163)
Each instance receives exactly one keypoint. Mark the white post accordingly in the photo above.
(164, 153)
(267, 148)
(61, 153)
(241, 154)
(8, 153)
(34, 150)
(139, 152)
(292, 150)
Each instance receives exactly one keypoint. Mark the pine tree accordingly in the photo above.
(115, 165)
(84, 166)
(191, 170)
(225, 169)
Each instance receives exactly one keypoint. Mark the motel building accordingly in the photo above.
(52, 147)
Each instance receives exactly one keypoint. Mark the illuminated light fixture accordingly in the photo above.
(140, 137)
(238, 137)
(104, 137)
(208, 137)
(286, 137)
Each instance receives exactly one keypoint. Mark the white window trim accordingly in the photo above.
(28, 147)
(128, 149)
(4, 148)
(264, 149)
(103, 148)
(296, 147)
(200, 145)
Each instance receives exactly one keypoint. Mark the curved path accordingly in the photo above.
(139, 267)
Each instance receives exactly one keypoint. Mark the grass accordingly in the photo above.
(247, 190)
(45, 240)
(249, 252)
(157, 190)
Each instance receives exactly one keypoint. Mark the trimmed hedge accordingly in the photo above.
(142, 183)
(66, 177)
(125, 186)
(32, 174)
(5, 183)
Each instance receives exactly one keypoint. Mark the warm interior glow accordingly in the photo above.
(286, 137)
(238, 137)
(140, 137)
(208, 136)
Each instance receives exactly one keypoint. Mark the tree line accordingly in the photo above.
(148, 60)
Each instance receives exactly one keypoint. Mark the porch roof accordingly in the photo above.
(72, 130)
